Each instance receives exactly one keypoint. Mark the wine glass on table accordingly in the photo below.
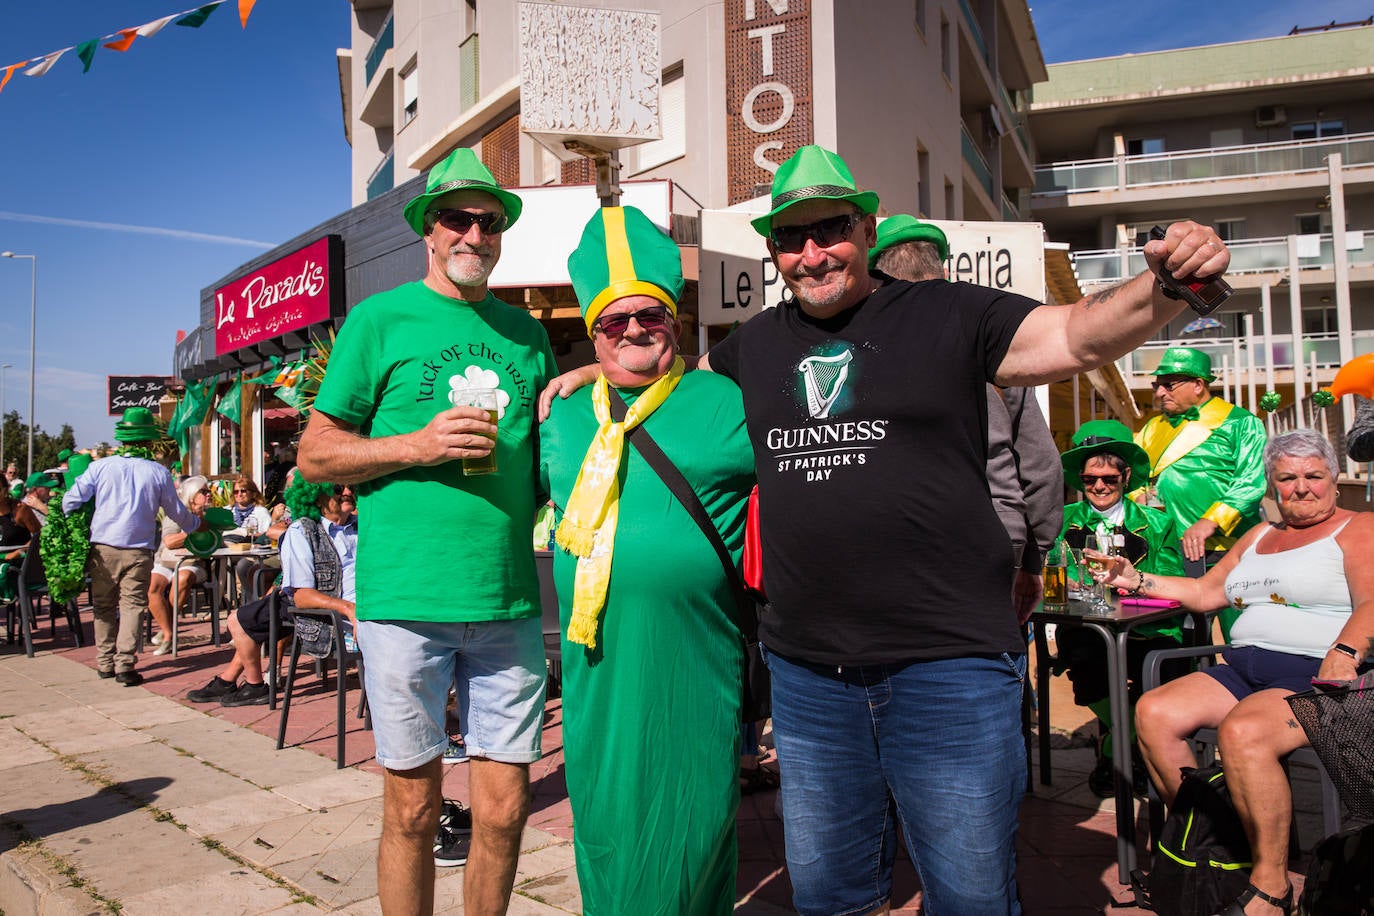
(1097, 568)
(250, 529)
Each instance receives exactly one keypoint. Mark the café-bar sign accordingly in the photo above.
(292, 292)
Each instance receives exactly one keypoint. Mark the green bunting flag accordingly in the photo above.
(196, 18)
(86, 51)
(231, 405)
(190, 413)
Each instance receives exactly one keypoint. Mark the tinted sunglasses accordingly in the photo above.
(1110, 480)
(461, 221)
(653, 318)
(824, 232)
(340, 489)
(1169, 385)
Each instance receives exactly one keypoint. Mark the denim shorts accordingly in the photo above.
(495, 666)
(934, 747)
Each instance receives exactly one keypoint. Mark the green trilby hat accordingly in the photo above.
(813, 173)
(64, 455)
(1186, 361)
(138, 425)
(209, 537)
(1098, 436)
(461, 171)
(906, 228)
(622, 253)
(41, 479)
(76, 466)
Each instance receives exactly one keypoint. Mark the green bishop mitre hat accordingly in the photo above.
(904, 227)
(461, 171)
(1186, 361)
(811, 173)
(622, 253)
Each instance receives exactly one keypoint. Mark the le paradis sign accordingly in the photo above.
(293, 292)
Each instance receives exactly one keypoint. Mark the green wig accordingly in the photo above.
(303, 497)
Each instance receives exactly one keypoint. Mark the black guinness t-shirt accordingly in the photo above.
(880, 541)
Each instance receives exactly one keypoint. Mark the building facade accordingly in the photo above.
(1272, 142)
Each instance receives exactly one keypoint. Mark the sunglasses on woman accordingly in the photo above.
(1110, 480)
(462, 221)
(653, 318)
(824, 232)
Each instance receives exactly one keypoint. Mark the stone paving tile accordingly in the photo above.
(18, 750)
(286, 839)
(252, 807)
(144, 711)
(80, 730)
(252, 756)
(189, 780)
(56, 799)
(338, 877)
(337, 788)
(540, 863)
(232, 892)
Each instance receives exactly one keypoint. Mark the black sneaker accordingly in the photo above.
(454, 816)
(246, 695)
(102, 673)
(129, 678)
(451, 847)
(212, 691)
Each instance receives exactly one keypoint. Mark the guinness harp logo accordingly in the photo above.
(823, 379)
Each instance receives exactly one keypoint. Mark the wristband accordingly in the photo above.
(1139, 586)
(1346, 650)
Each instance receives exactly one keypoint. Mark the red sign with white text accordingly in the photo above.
(290, 293)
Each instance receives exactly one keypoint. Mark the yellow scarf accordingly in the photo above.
(588, 527)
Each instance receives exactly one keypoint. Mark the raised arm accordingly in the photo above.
(1205, 594)
(335, 451)
(1058, 341)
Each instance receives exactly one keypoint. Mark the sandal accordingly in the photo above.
(757, 779)
(1237, 906)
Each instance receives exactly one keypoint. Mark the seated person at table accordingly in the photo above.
(1105, 464)
(37, 492)
(312, 577)
(1305, 590)
(195, 495)
(250, 515)
(17, 529)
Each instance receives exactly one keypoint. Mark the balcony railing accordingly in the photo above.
(1009, 212)
(1144, 360)
(974, 157)
(976, 31)
(1247, 256)
(383, 177)
(380, 46)
(1125, 172)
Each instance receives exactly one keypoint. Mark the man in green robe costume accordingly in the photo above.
(651, 656)
(1206, 461)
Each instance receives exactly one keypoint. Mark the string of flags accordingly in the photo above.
(123, 39)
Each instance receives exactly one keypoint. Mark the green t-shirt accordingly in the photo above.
(432, 544)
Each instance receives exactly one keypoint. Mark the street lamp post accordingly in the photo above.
(2, 410)
(33, 314)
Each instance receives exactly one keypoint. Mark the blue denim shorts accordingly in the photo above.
(496, 666)
(934, 747)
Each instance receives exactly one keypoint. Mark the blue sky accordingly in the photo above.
(166, 167)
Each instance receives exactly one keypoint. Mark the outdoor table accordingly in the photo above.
(1114, 626)
(221, 560)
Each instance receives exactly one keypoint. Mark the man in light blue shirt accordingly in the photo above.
(309, 580)
(128, 489)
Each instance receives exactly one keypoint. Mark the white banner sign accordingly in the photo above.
(738, 279)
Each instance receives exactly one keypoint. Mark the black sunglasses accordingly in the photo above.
(824, 232)
(462, 221)
(1110, 480)
(1169, 385)
(341, 489)
(653, 318)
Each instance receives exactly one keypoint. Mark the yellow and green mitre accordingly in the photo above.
(622, 253)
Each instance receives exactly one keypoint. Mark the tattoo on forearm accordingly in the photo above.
(1292, 724)
(1096, 298)
(1147, 584)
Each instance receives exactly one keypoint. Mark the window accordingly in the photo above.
(1230, 229)
(1308, 223)
(946, 49)
(949, 202)
(1319, 321)
(469, 73)
(923, 182)
(1145, 146)
(410, 94)
(1312, 130)
(921, 16)
(672, 122)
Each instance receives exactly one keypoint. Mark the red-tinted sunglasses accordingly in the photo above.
(653, 318)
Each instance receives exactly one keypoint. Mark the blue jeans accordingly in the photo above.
(938, 744)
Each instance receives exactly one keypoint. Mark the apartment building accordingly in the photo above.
(1272, 142)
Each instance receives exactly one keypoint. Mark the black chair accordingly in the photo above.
(548, 602)
(1205, 740)
(31, 586)
(342, 656)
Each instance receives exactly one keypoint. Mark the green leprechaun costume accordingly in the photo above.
(651, 657)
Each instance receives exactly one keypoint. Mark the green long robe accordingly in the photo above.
(651, 728)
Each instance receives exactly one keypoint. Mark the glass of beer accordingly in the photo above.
(485, 398)
(1056, 576)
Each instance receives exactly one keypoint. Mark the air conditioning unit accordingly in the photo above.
(1270, 116)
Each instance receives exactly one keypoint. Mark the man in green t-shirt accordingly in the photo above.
(447, 594)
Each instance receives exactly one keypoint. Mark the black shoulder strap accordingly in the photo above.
(679, 487)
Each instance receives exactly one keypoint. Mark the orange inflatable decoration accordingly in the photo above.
(1355, 377)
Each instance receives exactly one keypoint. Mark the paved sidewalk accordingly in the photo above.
(132, 800)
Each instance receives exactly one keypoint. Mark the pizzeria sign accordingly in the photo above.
(292, 292)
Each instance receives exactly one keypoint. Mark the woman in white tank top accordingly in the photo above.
(1305, 588)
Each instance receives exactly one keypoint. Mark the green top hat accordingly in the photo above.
(209, 537)
(906, 228)
(1111, 436)
(1186, 361)
(813, 173)
(138, 425)
(622, 253)
(76, 466)
(461, 171)
(218, 518)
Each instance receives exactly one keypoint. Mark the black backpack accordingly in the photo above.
(1340, 880)
(1202, 859)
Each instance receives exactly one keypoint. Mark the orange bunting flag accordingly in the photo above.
(126, 39)
(245, 10)
(9, 71)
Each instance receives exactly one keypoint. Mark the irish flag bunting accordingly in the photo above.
(123, 39)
